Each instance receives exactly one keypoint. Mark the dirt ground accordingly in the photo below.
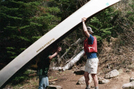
(68, 80)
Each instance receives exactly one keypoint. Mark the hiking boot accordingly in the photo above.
(87, 88)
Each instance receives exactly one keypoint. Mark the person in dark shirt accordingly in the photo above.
(43, 67)
(92, 59)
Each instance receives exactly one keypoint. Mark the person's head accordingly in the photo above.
(56, 48)
(90, 30)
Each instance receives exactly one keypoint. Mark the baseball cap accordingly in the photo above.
(90, 29)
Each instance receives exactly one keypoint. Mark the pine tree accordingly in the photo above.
(103, 23)
(22, 23)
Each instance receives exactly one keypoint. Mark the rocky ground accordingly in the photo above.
(69, 79)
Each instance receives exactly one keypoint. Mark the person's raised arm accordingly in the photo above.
(55, 53)
(85, 27)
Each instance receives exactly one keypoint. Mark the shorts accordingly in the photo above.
(92, 65)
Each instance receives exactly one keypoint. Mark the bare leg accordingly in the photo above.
(95, 79)
(86, 75)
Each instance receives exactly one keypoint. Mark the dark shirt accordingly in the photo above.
(43, 66)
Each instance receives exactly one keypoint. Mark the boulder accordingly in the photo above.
(103, 81)
(81, 81)
(131, 79)
(128, 85)
(112, 74)
(54, 87)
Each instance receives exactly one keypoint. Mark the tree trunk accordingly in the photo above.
(71, 63)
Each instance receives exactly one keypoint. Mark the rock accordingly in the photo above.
(81, 81)
(108, 49)
(103, 81)
(131, 66)
(54, 87)
(82, 68)
(112, 74)
(128, 85)
(53, 82)
(120, 71)
(131, 79)
(127, 70)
